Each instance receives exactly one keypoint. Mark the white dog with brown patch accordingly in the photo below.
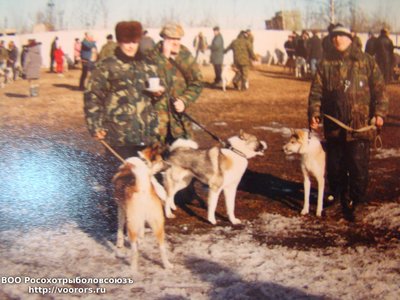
(219, 168)
(312, 163)
(137, 196)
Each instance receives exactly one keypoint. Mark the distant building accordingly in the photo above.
(7, 32)
(285, 20)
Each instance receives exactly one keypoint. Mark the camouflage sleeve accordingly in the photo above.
(251, 51)
(94, 99)
(380, 101)
(315, 96)
(229, 48)
(193, 80)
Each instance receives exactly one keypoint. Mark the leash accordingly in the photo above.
(112, 150)
(378, 144)
(214, 136)
(348, 128)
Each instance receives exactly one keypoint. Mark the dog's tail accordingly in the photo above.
(182, 143)
(124, 179)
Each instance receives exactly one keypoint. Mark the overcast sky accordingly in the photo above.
(77, 14)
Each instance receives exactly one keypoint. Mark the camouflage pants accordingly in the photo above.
(241, 80)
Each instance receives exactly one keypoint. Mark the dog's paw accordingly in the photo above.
(173, 206)
(168, 265)
(235, 221)
(170, 215)
(212, 221)
(319, 213)
(304, 212)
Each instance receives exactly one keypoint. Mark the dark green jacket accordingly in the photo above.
(242, 51)
(355, 105)
(182, 79)
(116, 102)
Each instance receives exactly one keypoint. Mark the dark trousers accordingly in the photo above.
(218, 72)
(86, 68)
(52, 63)
(347, 168)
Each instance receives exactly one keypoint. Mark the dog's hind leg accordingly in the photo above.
(230, 194)
(133, 237)
(212, 205)
(121, 225)
(307, 187)
(320, 203)
(158, 229)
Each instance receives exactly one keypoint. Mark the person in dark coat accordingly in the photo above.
(31, 66)
(88, 48)
(370, 46)
(315, 51)
(327, 45)
(12, 58)
(217, 54)
(384, 55)
(53, 48)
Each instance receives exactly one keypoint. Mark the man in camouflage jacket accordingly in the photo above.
(242, 55)
(117, 108)
(180, 75)
(349, 87)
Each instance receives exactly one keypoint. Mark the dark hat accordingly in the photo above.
(127, 32)
(341, 30)
(216, 28)
(109, 37)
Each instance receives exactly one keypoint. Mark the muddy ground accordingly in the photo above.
(273, 183)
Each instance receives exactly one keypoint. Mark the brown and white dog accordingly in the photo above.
(137, 195)
(312, 163)
(219, 168)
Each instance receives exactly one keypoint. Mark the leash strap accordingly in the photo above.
(348, 128)
(214, 136)
(112, 151)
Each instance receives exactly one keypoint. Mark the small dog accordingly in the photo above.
(312, 163)
(137, 196)
(227, 75)
(219, 168)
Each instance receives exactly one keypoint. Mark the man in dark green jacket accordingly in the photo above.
(181, 77)
(242, 56)
(350, 88)
(217, 54)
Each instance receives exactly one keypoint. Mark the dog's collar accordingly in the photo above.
(238, 152)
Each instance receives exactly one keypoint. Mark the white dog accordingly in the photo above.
(227, 75)
(312, 163)
(138, 202)
(220, 169)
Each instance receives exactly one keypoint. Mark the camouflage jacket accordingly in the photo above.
(242, 51)
(116, 102)
(349, 87)
(182, 79)
(107, 49)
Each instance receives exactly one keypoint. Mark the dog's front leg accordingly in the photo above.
(230, 194)
(321, 186)
(307, 187)
(212, 205)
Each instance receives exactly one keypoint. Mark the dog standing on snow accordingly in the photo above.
(137, 195)
(219, 168)
(312, 163)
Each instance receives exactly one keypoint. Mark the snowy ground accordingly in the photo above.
(244, 262)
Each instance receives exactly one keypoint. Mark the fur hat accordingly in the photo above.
(127, 32)
(172, 30)
(341, 30)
